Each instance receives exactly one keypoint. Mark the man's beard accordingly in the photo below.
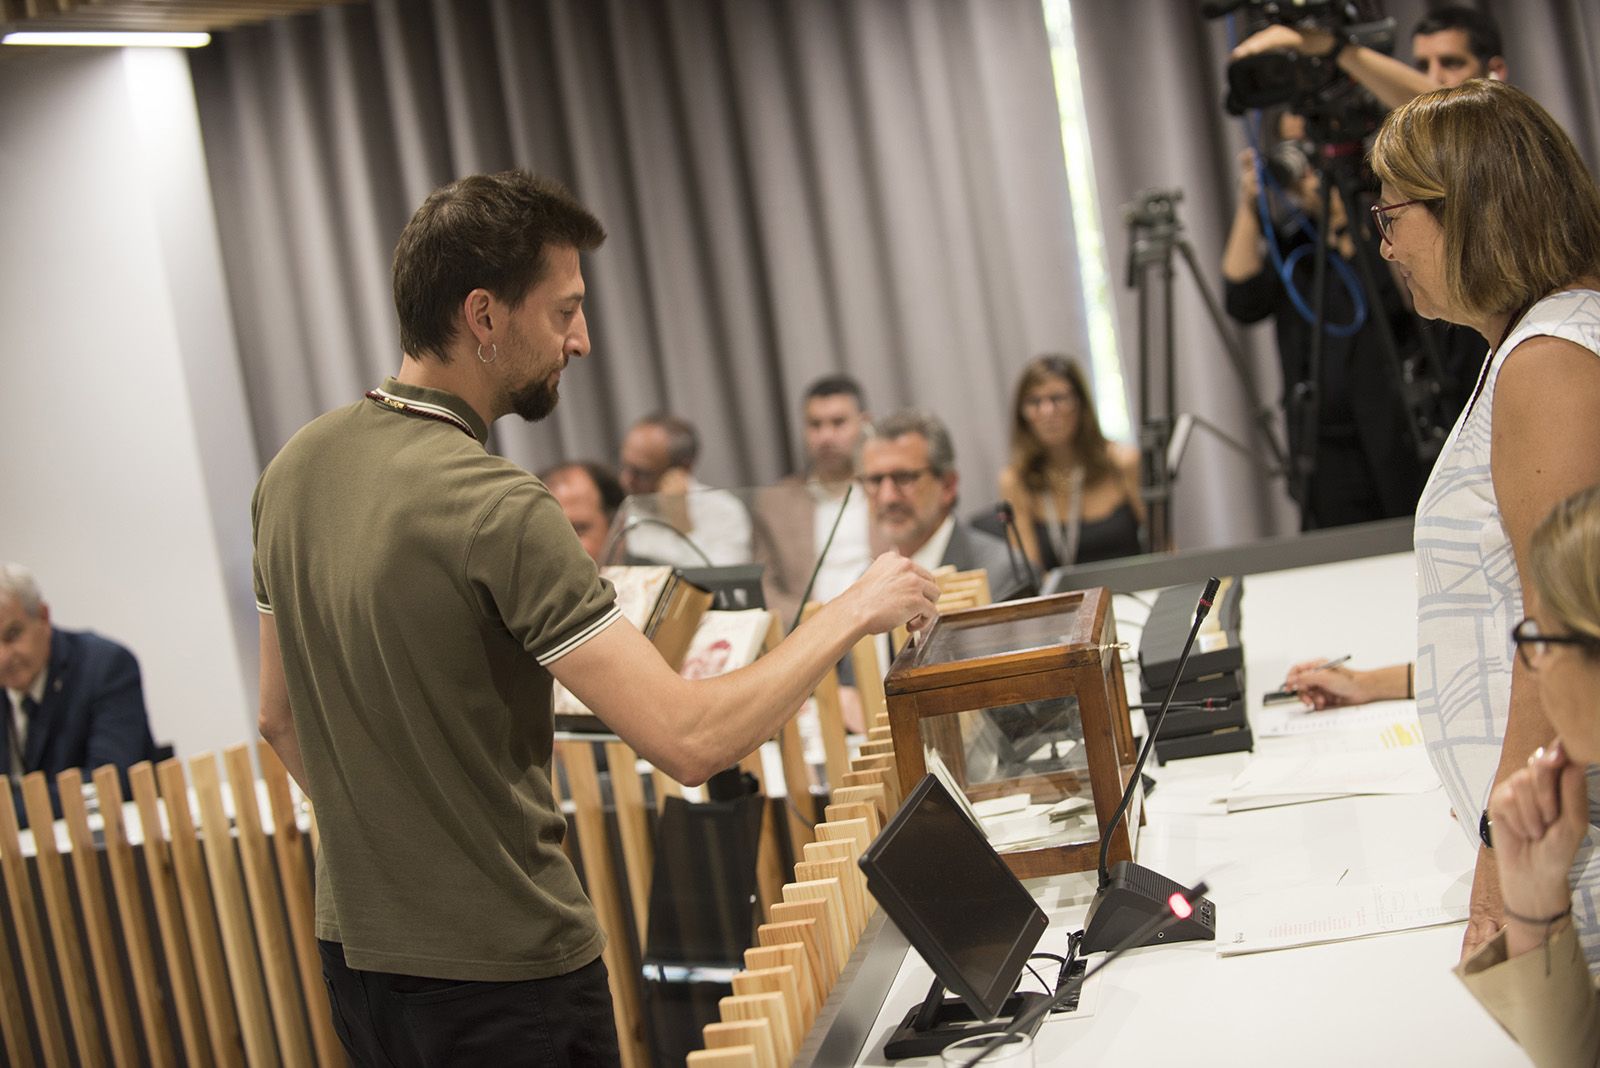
(536, 400)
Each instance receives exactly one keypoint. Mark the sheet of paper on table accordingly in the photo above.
(1258, 923)
(1293, 778)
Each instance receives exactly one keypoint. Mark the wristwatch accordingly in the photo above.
(1486, 829)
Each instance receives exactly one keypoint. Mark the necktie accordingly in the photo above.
(29, 707)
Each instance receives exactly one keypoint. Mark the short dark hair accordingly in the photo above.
(835, 386)
(605, 480)
(1483, 33)
(484, 231)
(683, 440)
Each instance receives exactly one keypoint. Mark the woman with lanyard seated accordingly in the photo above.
(1075, 495)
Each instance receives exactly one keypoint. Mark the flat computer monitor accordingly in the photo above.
(942, 883)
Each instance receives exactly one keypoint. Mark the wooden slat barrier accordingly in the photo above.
(81, 1013)
(267, 910)
(135, 920)
(206, 1023)
(295, 877)
(233, 915)
(30, 939)
(109, 983)
(594, 848)
(633, 827)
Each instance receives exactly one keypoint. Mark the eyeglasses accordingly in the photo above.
(1380, 215)
(1533, 646)
(1041, 401)
(903, 480)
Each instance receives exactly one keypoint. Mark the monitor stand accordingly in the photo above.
(939, 1021)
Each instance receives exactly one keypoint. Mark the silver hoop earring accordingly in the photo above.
(494, 354)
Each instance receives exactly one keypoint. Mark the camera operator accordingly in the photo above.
(1448, 46)
(1365, 467)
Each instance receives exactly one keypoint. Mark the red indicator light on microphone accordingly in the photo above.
(1180, 906)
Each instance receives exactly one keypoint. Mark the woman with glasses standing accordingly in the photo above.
(1532, 976)
(1075, 495)
(1493, 221)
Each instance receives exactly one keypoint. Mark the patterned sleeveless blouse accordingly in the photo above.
(1469, 598)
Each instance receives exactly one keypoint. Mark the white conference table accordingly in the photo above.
(1389, 999)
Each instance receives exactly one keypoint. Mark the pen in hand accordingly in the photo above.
(1283, 694)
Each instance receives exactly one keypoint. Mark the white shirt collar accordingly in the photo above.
(36, 691)
(931, 555)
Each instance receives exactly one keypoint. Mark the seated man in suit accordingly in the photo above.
(73, 699)
(908, 468)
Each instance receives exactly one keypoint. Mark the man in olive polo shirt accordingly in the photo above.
(416, 596)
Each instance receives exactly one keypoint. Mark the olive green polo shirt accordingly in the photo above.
(420, 588)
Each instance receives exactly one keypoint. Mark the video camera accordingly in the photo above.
(1313, 86)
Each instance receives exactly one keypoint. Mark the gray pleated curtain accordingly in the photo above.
(791, 187)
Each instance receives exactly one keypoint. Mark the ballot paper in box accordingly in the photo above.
(1208, 711)
(1021, 706)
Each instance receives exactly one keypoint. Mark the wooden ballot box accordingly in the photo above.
(1022, 707)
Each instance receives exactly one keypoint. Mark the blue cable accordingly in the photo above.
(1284, 266)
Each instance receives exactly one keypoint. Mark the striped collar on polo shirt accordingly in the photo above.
(399, 396)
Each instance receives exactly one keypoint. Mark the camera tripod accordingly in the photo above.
(1415, 384)
(1154, 233)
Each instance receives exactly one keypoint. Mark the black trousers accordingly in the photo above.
(400, 1021)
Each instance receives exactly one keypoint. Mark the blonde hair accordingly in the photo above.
(1519, 210)
(1564, 564)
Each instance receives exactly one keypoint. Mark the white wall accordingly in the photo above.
(128, 466)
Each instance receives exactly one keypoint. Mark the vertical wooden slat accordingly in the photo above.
(233, 915)
(13, 1024)
(845, 854)
(769, 864)
(594, 846)
(633, 825)
(828, 949)
(665, 786)
(81, 1012)
(266, 910)
(869, 681)
(792, 956)
(136, 935)
(806, 871)
(30, 944)
(204, 1041)
(784, 983)
(830, 719)
(754, 1033)
(726, 1057)
(768, 1007)
(299, 902)
(809, 937)
(108, 976)
(802, 807)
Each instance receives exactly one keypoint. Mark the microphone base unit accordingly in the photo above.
(1132, 898)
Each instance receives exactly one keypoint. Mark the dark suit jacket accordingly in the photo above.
(971, 548)
(92, 712)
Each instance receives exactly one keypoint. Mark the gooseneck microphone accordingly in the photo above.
(1130, 895)
(1027, 586)
(634, 522)
(816, 569)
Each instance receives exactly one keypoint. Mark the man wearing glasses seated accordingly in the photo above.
(908, 469)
